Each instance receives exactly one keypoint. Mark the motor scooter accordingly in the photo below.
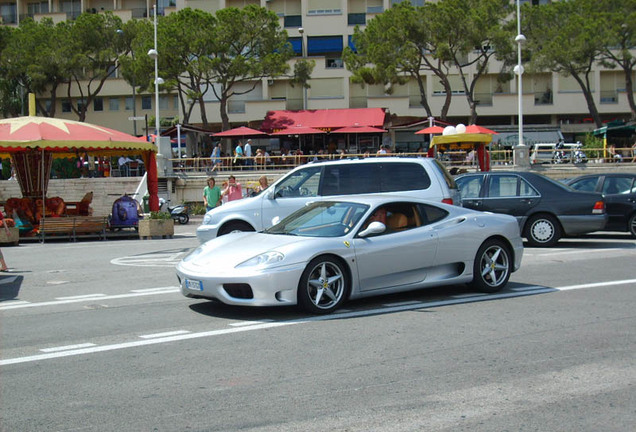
(178, 212)
(578, 155)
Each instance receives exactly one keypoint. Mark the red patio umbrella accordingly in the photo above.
(299, 130)
(479, 129)
(239, 132)
(430, 130)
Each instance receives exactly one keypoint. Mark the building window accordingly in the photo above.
(297, 45)
(98, 104)
(357, 19)
(164, 102)
(113, 104)
(129, 103)
(293, 21)
(146, 102)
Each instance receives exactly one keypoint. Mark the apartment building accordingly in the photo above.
(320, 29)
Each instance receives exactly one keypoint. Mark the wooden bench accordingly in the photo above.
(73, 227)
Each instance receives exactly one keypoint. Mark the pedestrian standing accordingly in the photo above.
(4, 267)
(211, 195)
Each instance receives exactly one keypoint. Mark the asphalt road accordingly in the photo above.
(96, 337)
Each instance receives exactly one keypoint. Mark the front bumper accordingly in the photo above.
(207, 232)
(269, 287)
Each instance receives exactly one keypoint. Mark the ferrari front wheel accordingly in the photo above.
(323, 285)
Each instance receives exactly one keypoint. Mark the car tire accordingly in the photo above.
(323, 285)
(492, 267)
(542, 230)
(183, 219)
(631, 225)
(237, 226)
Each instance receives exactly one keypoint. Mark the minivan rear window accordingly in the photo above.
(397, 177)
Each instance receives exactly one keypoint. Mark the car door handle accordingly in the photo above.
(527, 200)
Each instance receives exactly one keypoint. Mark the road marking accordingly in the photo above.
(67, 347)
(165, 334)
(80, 297)
(153, 290)
(78, 300)
(267, 325)
(249, 323)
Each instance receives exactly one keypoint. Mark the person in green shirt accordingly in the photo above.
(211, 195)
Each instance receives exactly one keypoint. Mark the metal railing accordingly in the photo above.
(455, 161)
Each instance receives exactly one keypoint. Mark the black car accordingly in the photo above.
(546, 209)
(619, 191)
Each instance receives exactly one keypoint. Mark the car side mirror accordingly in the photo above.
(270, 194)
(373, 229)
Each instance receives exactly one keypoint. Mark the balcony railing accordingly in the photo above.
(609, 97)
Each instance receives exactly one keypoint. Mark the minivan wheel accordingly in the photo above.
(542, 230)
(235, 227)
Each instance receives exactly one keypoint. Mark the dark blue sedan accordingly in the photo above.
(546, 209)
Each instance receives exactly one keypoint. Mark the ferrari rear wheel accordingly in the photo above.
(492, 268)
(323, 285)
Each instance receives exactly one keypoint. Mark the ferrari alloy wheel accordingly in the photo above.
(542, 230)
(492, 268)
(323, 286)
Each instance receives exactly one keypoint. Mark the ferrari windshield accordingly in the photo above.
(321, 219)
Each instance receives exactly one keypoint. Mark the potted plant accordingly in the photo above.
(158, 224)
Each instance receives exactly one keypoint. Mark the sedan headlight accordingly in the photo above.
(263, 260)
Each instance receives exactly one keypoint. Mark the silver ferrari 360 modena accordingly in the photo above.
(348, 248)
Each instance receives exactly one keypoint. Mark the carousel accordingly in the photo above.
(33, 142)
(466, 145)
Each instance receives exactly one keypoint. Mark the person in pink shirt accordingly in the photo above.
(233, 191)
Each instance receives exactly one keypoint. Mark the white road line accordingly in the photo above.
(151, 290)
(67, 347)
(14, 302)
(353, 314)
(597, 284)
(81, 297)
(165, 334)
(76, 300)
(249, 323)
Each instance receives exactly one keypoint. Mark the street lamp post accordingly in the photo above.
(304, 54)
(520, 151)
(154, 54)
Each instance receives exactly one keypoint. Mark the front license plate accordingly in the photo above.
(194, 285)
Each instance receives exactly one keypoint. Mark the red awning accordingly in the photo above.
(299, 130)
(326, 120)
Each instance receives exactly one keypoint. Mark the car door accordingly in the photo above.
(395, 258)
(290, 194)
(471, 190)
(620, 200)
(501, 193)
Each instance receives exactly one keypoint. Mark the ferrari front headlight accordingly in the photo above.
(263, 260)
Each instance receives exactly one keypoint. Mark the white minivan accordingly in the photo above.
(420, 177)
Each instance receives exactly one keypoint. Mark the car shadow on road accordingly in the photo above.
(422, 299)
